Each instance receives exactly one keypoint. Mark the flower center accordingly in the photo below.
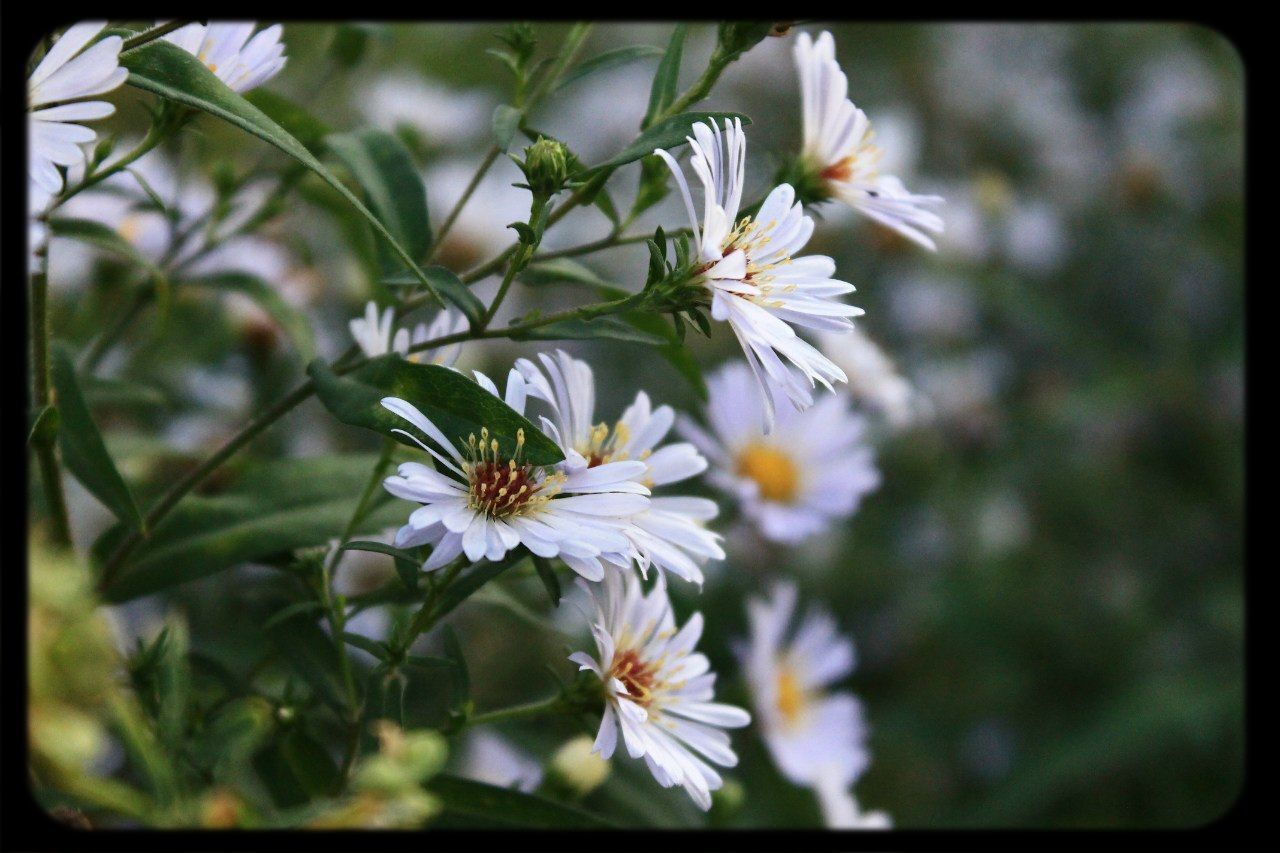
(636, 675)
(500, 487)
(606, 446)
(791, 697)
(773, 471)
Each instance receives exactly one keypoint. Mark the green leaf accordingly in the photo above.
(233, 734)
(118, 392)
(547, 574)
(608, 59)
(459, 672)
(274, 508)
(668, 133)
(449, 286)
(44, 425)
(462, 588)
(82, 448)
(295, 609)
(102, 236)
(455, 404)
(307, 650)
(667, 78)
(475, 804)
(292, 320)
(407, 565)
(169, 71)
(384, 169)
(293, 117)
(506, 119)
(373, 647)
(613, 328)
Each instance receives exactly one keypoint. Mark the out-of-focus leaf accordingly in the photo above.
(462, 588)
(82, 448)
(382, 166)
(275, 507)
(506, 119)
(455, 404)
(609, 59)
(44, 425)
(233, 734)
(268, 297)
(666, 79)
(118, 392)
(102, 236)
(373, 647)
(547, 574)
(668, 134)
(169, 71)
(460, 673)
(310, 653)
(407, 565)
(293, 117)
(449, 286)
(475, 804)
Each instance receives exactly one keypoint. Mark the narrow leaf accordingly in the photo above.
(612, 328)
(667, 78)
(449, 286)
(609, 59)
(384, 169)
(506, 119)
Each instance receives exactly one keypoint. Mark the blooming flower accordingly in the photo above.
(792, 483)
(873, 378)
(225, 48)
(483, 505)
(670, 533)
(838, 146)
(658, 690)
(69, 72)
(816, 738)
(376, 335)
(755, 282)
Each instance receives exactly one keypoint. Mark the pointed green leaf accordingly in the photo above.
(82, 448)
(667, 78)
(384, 169)
(506, 119)
(455, 404)
(609, 59)
(547, 574)
(293, 117)
(449, 286)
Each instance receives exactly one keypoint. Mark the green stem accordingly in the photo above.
(100, 346)
(155, 135)
(46, 448)
(483, 168)
(151, 35)
(550, 705)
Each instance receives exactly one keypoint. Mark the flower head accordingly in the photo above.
(792, 483)
(812, 734)
(839, 151)
(483, 504)
(70, 71)
(874, 379)
(227, 50)
(671, 532)
(376, 335)
(754, 280)
(658, 690)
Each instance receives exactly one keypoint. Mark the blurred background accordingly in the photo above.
(1046, 592)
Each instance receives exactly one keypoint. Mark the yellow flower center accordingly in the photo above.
(791, 697)
(773, 471)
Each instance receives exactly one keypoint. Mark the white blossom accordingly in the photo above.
(226, 49)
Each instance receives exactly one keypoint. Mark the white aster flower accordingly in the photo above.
(670, 533)
(37, 229)
(376, 335)
(493, 760)
(227, 50)
(840, 809)
(873, 378)
(658, 690)
(755, 282)
(483, 505)
(67, 73)
(838, 146)
(812, 470)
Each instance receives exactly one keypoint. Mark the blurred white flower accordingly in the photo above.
(486, 505)
(811, 471)
(838, 145)
(658, 690)
(68, 73)
(1036, 239)
(670, 533)
(226, 49)
(376, 335)
(442, 116)
(874, 380)
(492, 759)
(811, 733)
(37, 229)
(755, 282)
(840, 809)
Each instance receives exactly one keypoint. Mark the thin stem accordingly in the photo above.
(46, 452)
(155, 135)
(517, 264)
(151, 35)
(483, 168)
(143, 295)
(607, 242)
(550, 705)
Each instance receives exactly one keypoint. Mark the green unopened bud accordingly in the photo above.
(736, 38)
(577, 768)
(546, 167)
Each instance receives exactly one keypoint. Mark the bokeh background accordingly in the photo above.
(1046, 593)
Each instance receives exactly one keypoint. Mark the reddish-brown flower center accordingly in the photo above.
(635, 674)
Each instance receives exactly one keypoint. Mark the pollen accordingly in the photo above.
(791, 696)
(636, 675)
(500, 487)
(605, 445)
(774, 472)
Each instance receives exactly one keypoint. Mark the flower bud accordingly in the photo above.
(578, 768)
(546, 167)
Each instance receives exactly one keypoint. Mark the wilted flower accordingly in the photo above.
(755, 282)
(658, 690)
